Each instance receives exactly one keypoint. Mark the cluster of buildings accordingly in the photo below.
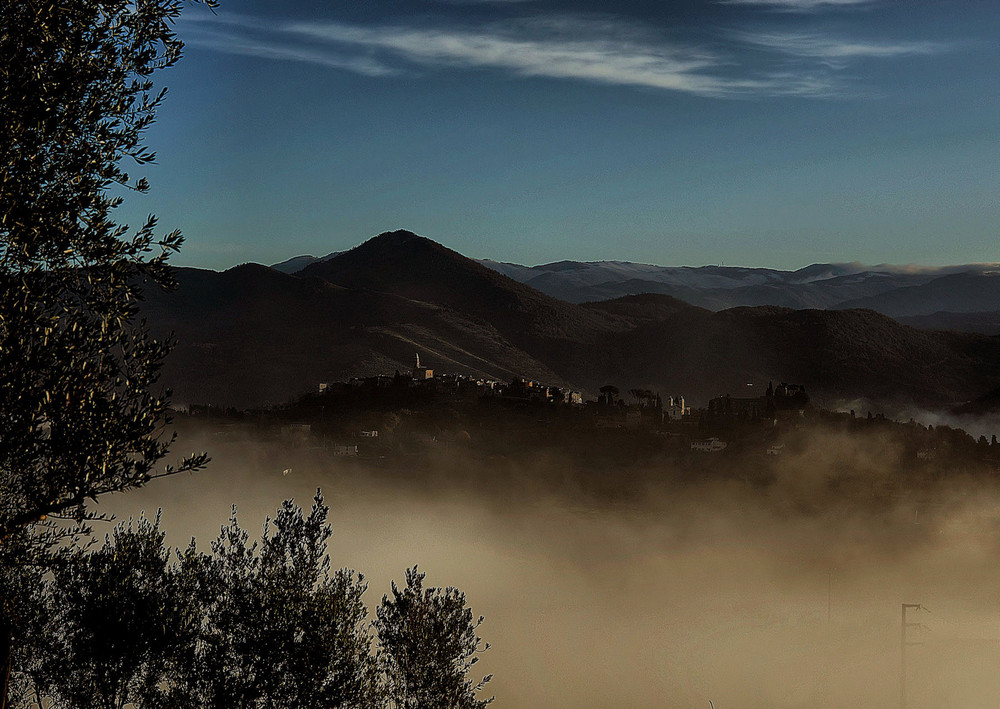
(424, 379)
(646, 409)
(611, 410)
(784, 397)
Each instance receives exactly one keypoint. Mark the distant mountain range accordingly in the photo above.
(297, 263)
(963, 297)
(891, 290)
(256, 334)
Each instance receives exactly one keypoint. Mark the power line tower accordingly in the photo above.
(904, 642)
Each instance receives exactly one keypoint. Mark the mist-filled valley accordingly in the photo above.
(683, 588)
(655, 344)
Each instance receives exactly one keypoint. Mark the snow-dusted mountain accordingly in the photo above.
(576, 275)
(948, 293)
(720, 287)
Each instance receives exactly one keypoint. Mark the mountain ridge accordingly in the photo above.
(843, 285)
(253, 334)
(922, 290)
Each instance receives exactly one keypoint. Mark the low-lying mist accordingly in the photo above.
(657, 593)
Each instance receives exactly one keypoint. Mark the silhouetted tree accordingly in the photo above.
(608, 394)
(645, 397)
(280, 630)
(79, 416)
(427, 647)
(22, 606)
(113, 620)
(261, 625)
(77, 367)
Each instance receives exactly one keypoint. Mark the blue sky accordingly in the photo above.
(746, 132)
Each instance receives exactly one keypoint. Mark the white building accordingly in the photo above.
(674, 408)
(422, 373)
(708, 445)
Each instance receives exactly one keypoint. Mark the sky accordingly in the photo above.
(773, 133)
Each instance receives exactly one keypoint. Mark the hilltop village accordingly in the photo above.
(442, 397)
(420, 415)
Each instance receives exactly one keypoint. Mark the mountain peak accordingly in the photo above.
(401, 245)
(414, 267)
(399, 237)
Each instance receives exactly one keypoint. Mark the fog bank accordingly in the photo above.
(673, 596)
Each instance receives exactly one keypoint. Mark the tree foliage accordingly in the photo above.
(279, 628)
(77, 368)
(22, 565)
(428, 644)
(263, 625)
(251, 625)
(114, 619)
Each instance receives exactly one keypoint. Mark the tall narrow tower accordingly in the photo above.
(422, 372)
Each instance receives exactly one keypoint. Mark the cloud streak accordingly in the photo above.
(262, 49)
(559, 48)
(829, 49)
(801, 5)
(483, 2)
(601, 50)
(607, 61)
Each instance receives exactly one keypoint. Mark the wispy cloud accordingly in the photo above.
(833, 51)
(591, 59)
(597, 50)
(801, 5)
(263, 49)
(602, 49)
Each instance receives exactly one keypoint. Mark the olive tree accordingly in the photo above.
(251, 625)
(280, 629)
(77, 368)
(428, 643)
(115, 618)
(22, 565)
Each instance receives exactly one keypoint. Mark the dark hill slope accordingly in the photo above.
(836, 354)
(988, 404)
(647, 307)
(414, 267)
(252, 335)
(821, 294)
(987, 323)
(964, 292)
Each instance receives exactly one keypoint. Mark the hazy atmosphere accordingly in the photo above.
(772, 133)
(668, 596)
(663, 337)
